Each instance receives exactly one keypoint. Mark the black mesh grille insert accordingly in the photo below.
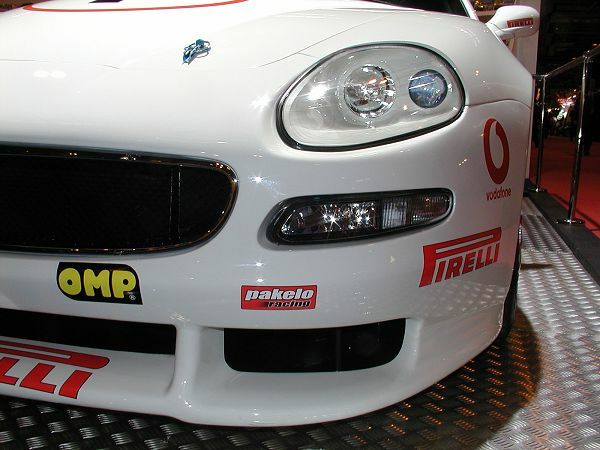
(96, 202)
(86, 332)
(317, 350)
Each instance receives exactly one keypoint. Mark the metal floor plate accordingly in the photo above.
(539, 389)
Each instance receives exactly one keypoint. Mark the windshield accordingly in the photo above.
(445, 6)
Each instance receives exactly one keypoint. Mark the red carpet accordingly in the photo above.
(557, 169)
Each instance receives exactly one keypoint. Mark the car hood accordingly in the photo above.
(153, 33)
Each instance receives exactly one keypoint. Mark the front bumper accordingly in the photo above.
(198, 289)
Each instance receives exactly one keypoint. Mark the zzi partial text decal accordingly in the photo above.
(457, 257)
(279, 297)
(18, 372)
(108, 283)
(497, 173)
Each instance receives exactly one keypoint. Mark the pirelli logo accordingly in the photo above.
(16, 370)
(527, 22)
(457, 257)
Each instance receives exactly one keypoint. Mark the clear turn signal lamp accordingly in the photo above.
(345, 217)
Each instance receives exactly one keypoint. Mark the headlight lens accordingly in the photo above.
(335, 218)
(428, 88)
(370, 95)
(369, 91)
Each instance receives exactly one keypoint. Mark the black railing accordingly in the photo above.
(582, 129)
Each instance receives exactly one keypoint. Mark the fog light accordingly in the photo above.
(338, 218)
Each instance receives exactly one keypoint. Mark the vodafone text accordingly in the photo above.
(498, 193)
(279, 297)
(11, 371)
(459, 256)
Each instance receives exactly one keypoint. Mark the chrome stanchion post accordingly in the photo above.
(540, 150)
(570, 220)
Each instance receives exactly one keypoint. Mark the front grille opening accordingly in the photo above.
(85, 332)
(95, 202)
(316, 350)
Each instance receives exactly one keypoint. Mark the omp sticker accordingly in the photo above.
(525, 22)
(35, 378)
(148, 8)
(457, 257)
(279, 297)
(108, 283)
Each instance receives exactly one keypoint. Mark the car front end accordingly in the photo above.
(202, 248)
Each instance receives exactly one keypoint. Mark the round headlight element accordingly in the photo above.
(369, 95)
(428, 88)
(369, 91)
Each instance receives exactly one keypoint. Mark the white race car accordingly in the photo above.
(255, 212)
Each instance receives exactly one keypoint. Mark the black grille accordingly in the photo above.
(87, 332)
(104, 202)
(317, 350)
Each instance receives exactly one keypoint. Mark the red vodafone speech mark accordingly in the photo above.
(154, 8)
(497, 174)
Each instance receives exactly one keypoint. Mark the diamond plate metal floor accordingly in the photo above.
(539, 389)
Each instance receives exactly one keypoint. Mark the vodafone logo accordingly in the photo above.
(497, 173)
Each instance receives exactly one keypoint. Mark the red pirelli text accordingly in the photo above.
(457, 257)
(36, 378)
(527, 22)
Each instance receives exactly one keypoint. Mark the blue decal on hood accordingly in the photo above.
(198, 48)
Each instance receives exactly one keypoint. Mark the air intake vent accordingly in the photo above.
(62, 201)
(316, 350)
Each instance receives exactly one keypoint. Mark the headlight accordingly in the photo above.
(334, 218)
(369, 95)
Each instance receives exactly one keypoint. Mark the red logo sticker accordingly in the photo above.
(497, 174)
(279, 297)
(34, 379)
(526, 22)
(454, 258)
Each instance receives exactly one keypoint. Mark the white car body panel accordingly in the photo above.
(128, 91)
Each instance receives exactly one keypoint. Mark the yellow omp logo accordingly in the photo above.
(109, 283)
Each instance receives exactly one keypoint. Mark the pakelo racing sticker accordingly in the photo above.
(498, 173)
(279, 297)
(457, 257)
(20, 371)
(108, 283)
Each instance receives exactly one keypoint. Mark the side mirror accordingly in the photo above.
(511, 22)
